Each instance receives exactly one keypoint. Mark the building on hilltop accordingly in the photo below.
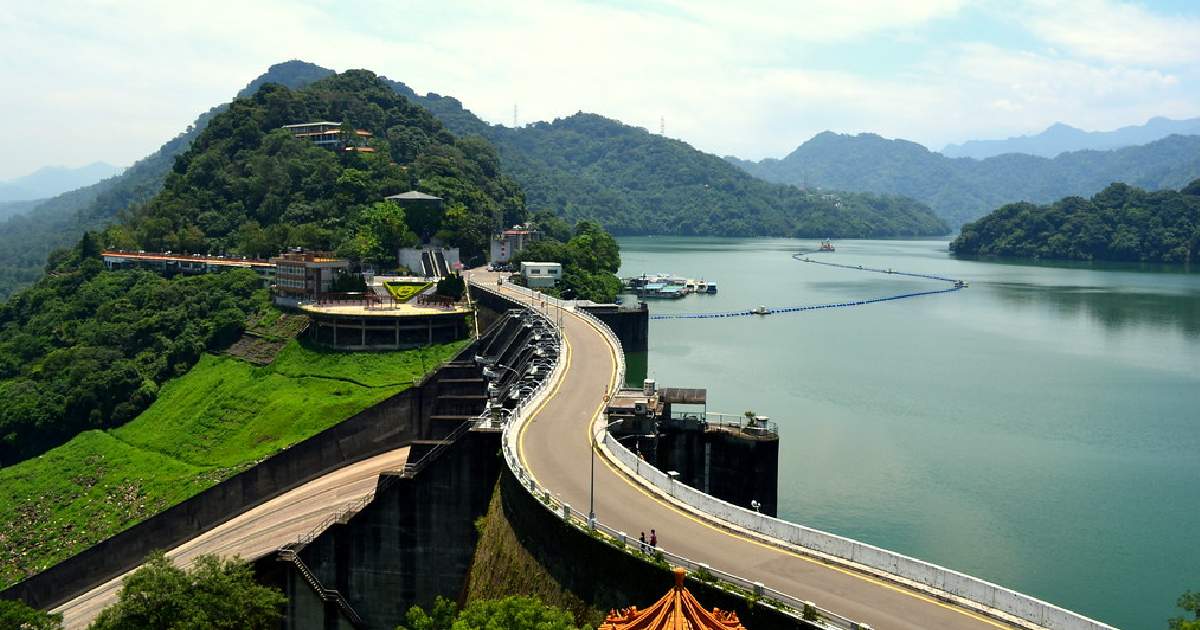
(414, 197)
(305, 275)
(329, 134)
(170, 264)
(540, 275)
(506, 244)
(423, 213)
(676, 610)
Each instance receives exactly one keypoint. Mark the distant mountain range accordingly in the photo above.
(1060, 138)
(586, 166)
(49, 181)
(963, 189)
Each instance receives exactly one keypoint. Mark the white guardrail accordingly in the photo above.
(953, 586)
(511, 434)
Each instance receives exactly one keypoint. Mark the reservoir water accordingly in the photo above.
(1040, 429)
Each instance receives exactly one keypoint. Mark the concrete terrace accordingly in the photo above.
(376, 310)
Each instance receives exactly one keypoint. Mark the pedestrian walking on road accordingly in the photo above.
(653, 539)
(642, 547)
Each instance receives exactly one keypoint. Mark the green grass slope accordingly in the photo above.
(218, 419)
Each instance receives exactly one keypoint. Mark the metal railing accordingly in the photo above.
(729, 421)
(509, 438)
(966, 590)
(326, 594)
(411, 468)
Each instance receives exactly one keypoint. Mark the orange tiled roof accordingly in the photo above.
(677, 610)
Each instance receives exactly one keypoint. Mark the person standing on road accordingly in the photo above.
(653, 539)
(642, 547)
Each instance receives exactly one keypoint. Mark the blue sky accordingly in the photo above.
(112, 80)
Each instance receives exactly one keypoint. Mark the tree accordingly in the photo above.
(214, 594)
(380, 231)
(510, 613)
(348, 283)
(18, 616)
(1190, 602)
(1119, 223)
(452, 286)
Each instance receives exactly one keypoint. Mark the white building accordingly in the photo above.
(429, 260)
(541, 274)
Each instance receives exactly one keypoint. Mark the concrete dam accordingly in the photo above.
(378, 513)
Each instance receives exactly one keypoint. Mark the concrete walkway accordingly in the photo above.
(556, 449)
(260, 530)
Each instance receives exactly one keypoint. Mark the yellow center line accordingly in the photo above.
(569, 352)
(723, 530)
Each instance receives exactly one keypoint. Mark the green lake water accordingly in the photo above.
(1040, 429)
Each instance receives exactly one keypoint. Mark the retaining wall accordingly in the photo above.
(388, 425)
(412, 542)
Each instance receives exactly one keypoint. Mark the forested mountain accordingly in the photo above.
(247, 186)
(1059, 138)
(586, 166)
(1120, 223)
(582, 167)
(26, 240)
(13, 208)
(54, 180)
(962, 189)
(85, 348)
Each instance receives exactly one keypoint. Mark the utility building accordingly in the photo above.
(539, 275)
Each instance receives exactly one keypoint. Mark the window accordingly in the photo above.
(537, 272)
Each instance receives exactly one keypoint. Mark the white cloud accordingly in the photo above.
(1117, 32)
(112, 81)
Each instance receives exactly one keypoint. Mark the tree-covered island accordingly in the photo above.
(1119, 223)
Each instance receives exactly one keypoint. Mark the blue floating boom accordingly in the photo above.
(796, 309)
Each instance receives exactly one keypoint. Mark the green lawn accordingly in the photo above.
(216, 420)
(405, 291)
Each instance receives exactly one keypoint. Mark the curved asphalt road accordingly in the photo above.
(556, 450)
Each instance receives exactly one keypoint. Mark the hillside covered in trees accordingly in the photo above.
(631, 181)
(963, 189)
(86, 348)
(581, 167)
(26, 239)
(1120, 223)
(247, 186)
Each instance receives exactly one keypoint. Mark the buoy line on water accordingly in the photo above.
(956, 285)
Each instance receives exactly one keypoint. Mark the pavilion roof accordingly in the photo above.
(677, 610)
